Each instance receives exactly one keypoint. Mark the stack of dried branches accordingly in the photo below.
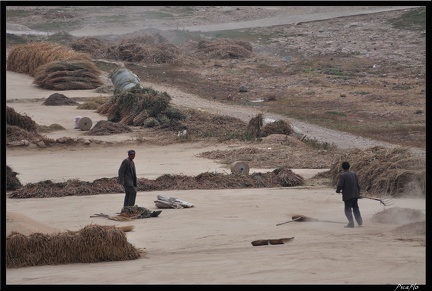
(385, 171)
(280, 177)
(91, 244)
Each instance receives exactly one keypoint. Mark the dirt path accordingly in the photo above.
(341, 139)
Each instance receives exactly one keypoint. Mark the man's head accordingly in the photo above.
(345, 165)
(131, 152)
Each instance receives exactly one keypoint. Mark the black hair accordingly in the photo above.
(345, 165)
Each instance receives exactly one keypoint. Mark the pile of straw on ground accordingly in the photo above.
(138, 50)
(68, 75)
(222, 48)
(93, 46)
(385, 171)
(55, 66)
(27, 58)
(22, 121)
(12, 182)
(281, 177)
(22, 128)
(91, 244)
(141, 107)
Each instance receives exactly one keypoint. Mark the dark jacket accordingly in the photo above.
(127, 174)
(349, 185)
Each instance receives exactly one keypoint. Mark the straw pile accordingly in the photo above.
(68, 75)
(12, 182)
(281, 177)
(22, 121)
(385, 171)
(22, 129)
(224, 48)
(54, 66)
(91, 45)
(140, 49)
(141, 107)
(91, 244)
(27, 58)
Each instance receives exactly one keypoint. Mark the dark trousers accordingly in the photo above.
(351, 206)
(130, 196)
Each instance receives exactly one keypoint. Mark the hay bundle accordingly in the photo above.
(78, 74)
(277, 127)
(12, 182)
(22, 121)
(225, 48)
(128, 104)
(29, 57)
(288, 178)
(91, 45)
(385, 171)
(91, 244)
(59, 99)
(140, 49)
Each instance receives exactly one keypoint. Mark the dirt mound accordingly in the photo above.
(59, 99)
(397, 215)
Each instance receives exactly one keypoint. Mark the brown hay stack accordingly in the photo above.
(23, 121)
(225, 48)
(385, 171)
(12, 182)
(78, 74)
(91, 244)
(146, 48)
(27, 58)
(91, 45)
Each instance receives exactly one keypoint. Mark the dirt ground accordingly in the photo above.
(209, 243)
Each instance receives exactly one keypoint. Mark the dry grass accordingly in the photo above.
(91, 244)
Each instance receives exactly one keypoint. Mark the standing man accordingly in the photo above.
(127, 177)
(349, 185)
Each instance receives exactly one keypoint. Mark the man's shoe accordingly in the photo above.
(349, 225)
(155, 213)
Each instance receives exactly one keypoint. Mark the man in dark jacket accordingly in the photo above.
(127, 177)
(349, 185)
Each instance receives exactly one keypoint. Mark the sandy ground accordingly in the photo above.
(211, 242)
